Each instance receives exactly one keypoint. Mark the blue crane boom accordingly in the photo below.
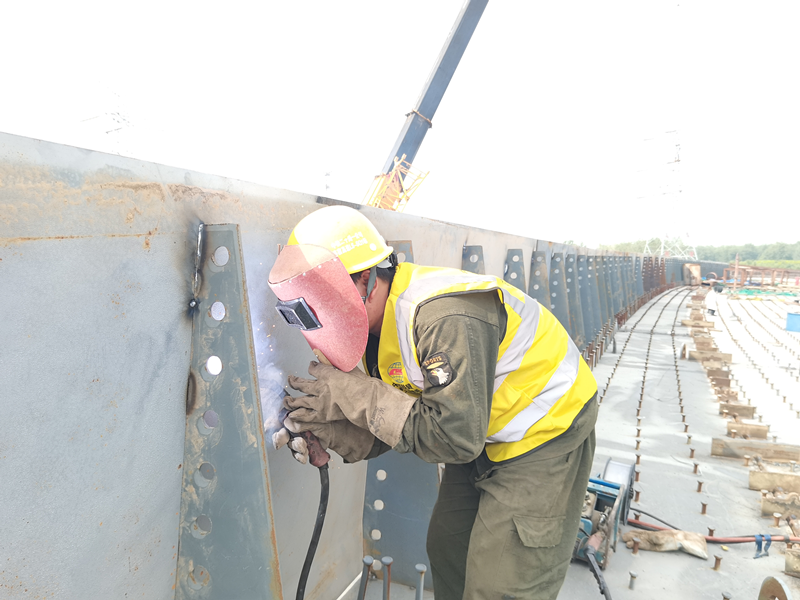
(419, 120)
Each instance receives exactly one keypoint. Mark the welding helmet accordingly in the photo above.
(348, 234)
(316, 295)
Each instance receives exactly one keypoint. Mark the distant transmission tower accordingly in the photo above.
(672, 246)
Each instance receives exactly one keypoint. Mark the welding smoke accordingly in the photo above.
(271, 380)
(270, 387)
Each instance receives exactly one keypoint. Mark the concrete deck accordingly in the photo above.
(667, 483)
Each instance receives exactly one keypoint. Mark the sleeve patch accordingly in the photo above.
(438, 370)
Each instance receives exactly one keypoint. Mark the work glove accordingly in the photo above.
(348, 441)
(367, 402)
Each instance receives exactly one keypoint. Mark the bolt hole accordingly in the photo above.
(202, 524)
(211, 419)
(515, 258)
(217, 311)
(473, 258)
(214, 365)
(513, 276)
(536, 286)
(207, 423)
(381, 475)
(198, 578)
(201, 527)
(538, 259)
(401, 257)
(221, 256)
(378, 505)
(375, 534)
(204, 475)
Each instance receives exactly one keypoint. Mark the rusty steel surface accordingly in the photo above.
(91, 455)
(98, 250)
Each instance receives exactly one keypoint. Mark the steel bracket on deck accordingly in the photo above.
(398, 501)
(472, 259)
(514, 271)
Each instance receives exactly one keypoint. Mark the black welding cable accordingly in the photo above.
(312, 547)
(660, 520)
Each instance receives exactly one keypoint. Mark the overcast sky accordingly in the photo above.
(563, 122)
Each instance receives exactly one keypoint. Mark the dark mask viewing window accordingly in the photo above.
(298, 314)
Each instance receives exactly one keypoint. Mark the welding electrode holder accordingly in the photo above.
(592, 545)
(317, 455)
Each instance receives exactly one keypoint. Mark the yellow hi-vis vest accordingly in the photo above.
(541, 380)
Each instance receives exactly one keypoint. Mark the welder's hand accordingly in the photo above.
(297, 445)
(330, 383)
(348, 441)
(365, 401)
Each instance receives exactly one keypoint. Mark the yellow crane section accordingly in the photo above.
(392, 190)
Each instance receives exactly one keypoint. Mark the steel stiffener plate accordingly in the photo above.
(515, 269)
(227, 543)
(539, 287)
(404, 250)
(472, 260)
(400, 493)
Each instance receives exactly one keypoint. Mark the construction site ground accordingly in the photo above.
(763, 370)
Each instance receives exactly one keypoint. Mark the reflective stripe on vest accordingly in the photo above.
(541, 381)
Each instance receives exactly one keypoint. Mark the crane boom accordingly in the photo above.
(397, 181)
(419, 120)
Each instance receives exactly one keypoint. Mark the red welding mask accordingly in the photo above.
(316, 295)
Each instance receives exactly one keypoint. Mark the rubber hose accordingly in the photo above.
(716, 539)
(312, 547)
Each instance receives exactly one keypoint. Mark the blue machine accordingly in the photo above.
(605, 507)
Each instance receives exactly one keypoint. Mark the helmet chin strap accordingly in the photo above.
(373, 273)
(388, 262)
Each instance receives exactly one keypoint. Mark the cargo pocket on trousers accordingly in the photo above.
(536, 532)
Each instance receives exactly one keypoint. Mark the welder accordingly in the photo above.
(460, 369)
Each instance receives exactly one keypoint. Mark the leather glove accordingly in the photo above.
(348, 441)
(365, 401)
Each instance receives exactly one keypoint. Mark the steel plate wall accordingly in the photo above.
(96, 264)
(96, 261)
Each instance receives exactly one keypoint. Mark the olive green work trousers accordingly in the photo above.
(508, 532)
